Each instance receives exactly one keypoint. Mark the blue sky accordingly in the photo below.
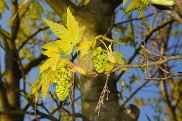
(146, 92)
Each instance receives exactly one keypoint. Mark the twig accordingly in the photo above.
(24, 3)
(145, 40)
(165, 78)
(138, 89)
(31, 36)
(72, 99)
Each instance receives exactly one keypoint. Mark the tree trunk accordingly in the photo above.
(9, 91)
(97, 17)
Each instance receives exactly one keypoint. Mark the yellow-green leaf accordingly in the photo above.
(4, 32)
(111, 57)
(36, 86)
(135, 4)
(47, 78)
(2, 6)
(59, 30)
(70, 35)
(119, 57)
(124, 69)
(85, 46)
(141, 12)
(54, 63)
(124, 2)
(56, 46)
(162, 2)
(132, 6)
(42, 83)
(74, 31)
(36, 9)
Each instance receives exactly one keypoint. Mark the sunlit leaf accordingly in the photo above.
(53, 62)
(56, 46)
(141, 12)
(139, 101)
(111, 58)
(162, 2)
(69, 36)
(119, 57)
(47, 78)
(59, 30)
(36, 10)
(3, 6)
(76, 33)
(135, 4)
(85, 46)
(132, 6)
(4, 33)
(124, 2)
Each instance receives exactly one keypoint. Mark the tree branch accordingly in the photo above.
(145, 40)
(164, 60)
(31, 36)
(174, 15)
(29, 113)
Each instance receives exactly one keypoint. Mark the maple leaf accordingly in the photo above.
(69, 36)
(135, 4)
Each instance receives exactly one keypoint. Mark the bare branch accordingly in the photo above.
(164, 60)
(31, 36)
(174, 15)
(145, 40)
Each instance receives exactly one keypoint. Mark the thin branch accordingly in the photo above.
(138, 89)
(31, 36)
(164, 78)
(73, 97)
(24, 3)
(150, 52)
(174, 15)
(178, 100)
(133, 19)
(164, 60)
(167, 102)
(145, 40)
(4, 35)
(159, 62)
(29, 113)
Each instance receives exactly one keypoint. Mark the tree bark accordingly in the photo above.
(10, 96)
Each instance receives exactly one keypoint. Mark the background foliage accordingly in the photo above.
(152, 57)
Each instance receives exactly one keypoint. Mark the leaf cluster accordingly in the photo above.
(142, 4)
(57, 68)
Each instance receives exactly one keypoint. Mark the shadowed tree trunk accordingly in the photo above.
(9, 91)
